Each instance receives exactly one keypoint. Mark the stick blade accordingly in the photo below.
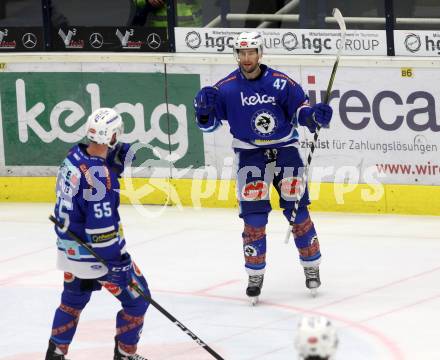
(340, 19)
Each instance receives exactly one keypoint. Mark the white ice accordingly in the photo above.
(380, 275)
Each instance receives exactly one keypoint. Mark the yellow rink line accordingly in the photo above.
(362, 198)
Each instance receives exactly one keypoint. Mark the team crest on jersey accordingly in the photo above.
(264, 123)
(290, 187)
(254, 191)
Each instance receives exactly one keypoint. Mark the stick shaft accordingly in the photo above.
(339, 18)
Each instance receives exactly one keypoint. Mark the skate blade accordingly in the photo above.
(254, 300)
(314, 292)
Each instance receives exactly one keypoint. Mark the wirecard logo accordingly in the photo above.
(256, 99)
(373, 109)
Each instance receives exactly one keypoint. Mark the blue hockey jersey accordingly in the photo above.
(262, 112)
(87, 204)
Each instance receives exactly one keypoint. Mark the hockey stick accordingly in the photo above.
(141, 293)
(340, 20)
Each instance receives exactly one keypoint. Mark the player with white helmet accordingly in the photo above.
(316, 339)
(248, 40)
(88, 205)
(264, 108)
(104, 127)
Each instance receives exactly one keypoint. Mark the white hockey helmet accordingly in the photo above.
(102, 125)
(315, 337)
(248, 40)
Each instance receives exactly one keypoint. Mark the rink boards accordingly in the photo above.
(380, 154)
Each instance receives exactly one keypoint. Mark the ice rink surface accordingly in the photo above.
(380, 274)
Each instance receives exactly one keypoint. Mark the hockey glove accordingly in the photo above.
(204, 103)
(322, 114)
(116, 157)
(119, 271)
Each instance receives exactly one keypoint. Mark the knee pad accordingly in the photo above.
(254, 247)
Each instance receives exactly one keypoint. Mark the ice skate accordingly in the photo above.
(51, 352)
(120, 356)
(313, 282)
(254, 288)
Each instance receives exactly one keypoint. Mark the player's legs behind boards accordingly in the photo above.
(306, 241)
(254, 248)
(130, 320)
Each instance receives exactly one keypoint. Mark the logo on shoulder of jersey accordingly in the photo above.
(264, 123)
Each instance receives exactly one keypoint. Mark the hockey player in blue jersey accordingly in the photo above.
(87, 204)
(264, 107)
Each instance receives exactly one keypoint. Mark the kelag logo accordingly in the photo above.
(43, 114)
